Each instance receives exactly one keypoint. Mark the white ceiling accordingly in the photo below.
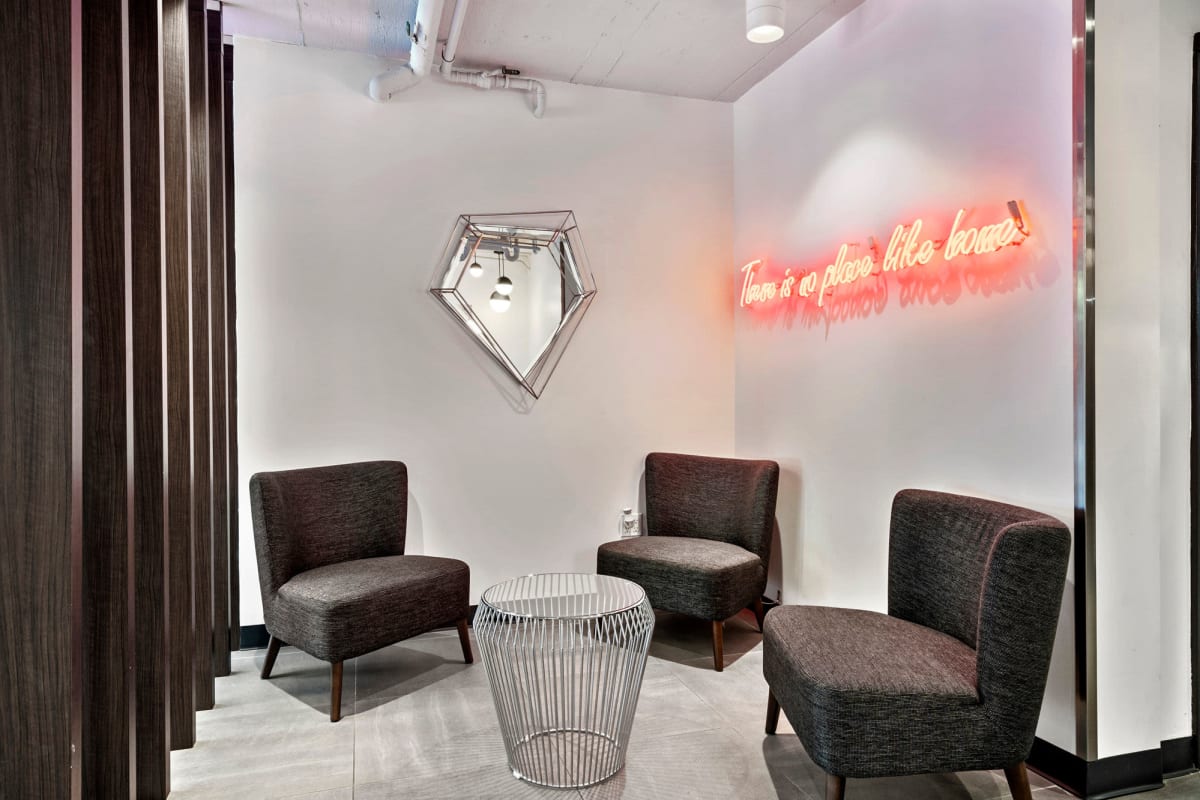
(687, 48)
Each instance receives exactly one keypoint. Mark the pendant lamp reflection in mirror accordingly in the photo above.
(504, 285)
(499, 302)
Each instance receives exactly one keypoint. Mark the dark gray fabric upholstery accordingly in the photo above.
(940, 546)
(708, 524)
(343, 610)
(952, 678)
(307, 518)
(727, 499)
(703, 578)
(331, 566)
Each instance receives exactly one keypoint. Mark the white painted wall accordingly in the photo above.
(1143, 223)
(343, 205)
(906, 109)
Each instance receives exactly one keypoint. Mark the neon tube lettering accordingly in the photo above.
(906, 248)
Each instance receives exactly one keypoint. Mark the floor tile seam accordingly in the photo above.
(703, 702)
(327, 790)
(800, 790)
(716, 711)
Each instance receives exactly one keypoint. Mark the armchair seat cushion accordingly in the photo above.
(872, 695)
(343, 610)
(701, 577)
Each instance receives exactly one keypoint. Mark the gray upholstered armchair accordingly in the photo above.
(951, 678)
(335, 581)
(708, 523)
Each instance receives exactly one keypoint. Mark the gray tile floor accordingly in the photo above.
(418, 723)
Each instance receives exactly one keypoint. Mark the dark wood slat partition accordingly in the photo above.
(153, 756)
(108, 657)
(202, 505)
(235, 615)
(117, 313)
(37, 526)
(176, 210)
(220, 383)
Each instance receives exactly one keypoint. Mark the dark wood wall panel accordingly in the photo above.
(117, 392)
(220, 382)
(235, 616)
(37, 270)
(108, 658)
(153, 756)
(202, 507)
(176, 211)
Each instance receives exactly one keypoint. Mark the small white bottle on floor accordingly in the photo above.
(631, 523)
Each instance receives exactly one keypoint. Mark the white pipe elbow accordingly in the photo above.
(386, 85)
(539, 99)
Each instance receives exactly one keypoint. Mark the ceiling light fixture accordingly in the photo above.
(475, 269)
(764, 21)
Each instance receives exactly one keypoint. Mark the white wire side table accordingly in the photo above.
(565, 654)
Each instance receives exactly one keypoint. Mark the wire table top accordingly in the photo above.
(564, 595)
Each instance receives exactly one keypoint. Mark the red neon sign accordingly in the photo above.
(906, 249)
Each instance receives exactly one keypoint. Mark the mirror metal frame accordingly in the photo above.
(550, 229)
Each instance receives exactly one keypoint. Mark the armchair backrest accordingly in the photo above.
(989, 574)
(309, 518)
(727, 499)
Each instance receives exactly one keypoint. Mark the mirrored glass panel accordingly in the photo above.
(518, 284)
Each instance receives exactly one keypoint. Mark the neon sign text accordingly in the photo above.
(906, 249)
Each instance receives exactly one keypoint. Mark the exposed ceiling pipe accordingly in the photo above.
(498, 79)
(421, 59)
(456, 24)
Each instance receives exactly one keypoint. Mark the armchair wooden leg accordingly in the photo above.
(272, 651)
(759, 613)
(335, 694)
(464, 639)
(1018, 781)
(719, 645)
(772, 713)
(835, 787)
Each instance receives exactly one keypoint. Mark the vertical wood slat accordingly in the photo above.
(37, 269)
(235, 626)
(220, 384)
(176, 211)
(76, 413)
(202, 508)
(107, 657)
(147, 268)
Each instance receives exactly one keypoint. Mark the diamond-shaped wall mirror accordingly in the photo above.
(518, 284)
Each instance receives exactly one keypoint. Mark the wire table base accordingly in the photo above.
(565, 655)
